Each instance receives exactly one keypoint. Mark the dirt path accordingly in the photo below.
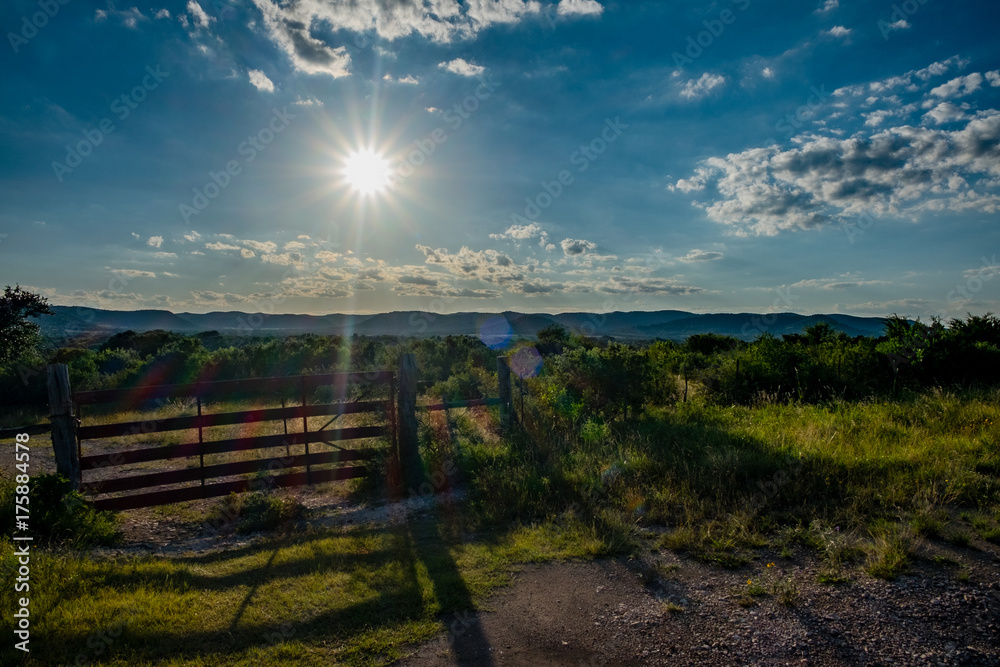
(665, 609)
(601, 613)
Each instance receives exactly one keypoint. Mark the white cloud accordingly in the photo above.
(327, 256)
(221, 246)
(201, 19)
(163, 14)
(462, 68)
(247, 253)
(959, 86)
(901, 24)
(192, 236)
(133, 273)
(579, 7)
(994, 78)
(488, 265)
(310, 102)
(645, 285)
(904, 81)
(520, 232)
(208, 296)
(260, 81)
(903, 162)
(838, 31)
(282, 259)
(693, 184)
(154, 241)
(828, 5)
(408, 79)
(941, 67)
(289, 25)
(574, 247)
(702, 86)
(135, 236)
(845, 281)
(697, 255)
(945, 112)
(129, 18)
(261, 246)
(767, 72)
(898, 171)
(164, 255)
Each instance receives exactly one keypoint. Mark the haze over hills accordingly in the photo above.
(69, 322)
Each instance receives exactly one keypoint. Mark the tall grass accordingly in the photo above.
(860, 483)
(720, 478)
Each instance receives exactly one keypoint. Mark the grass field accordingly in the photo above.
(862, 485)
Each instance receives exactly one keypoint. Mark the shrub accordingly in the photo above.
(255, 511)
(58, 515)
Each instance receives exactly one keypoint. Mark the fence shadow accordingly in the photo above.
(400, 569)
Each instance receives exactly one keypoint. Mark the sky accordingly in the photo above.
(835, 156)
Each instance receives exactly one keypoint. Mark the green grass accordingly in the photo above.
(832, 577)
(854, 485)
(890, 552)
(945, 560)
(353, 597)
(726, 480)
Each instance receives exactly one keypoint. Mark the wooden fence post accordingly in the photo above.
(63, 423)
(407, 421)
(503, 382)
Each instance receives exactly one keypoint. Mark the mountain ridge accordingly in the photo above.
(69, 322)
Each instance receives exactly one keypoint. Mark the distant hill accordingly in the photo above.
(747, 326)
(76, 323)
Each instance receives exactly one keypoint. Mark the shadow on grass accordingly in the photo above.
(423, 584)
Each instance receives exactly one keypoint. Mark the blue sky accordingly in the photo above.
(738, 155)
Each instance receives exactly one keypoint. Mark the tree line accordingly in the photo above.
(576, 377)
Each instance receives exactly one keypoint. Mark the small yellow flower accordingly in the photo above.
(770, 564)
(748, 582)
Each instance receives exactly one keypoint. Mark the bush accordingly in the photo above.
(255, 511)
(58, 515)
(608, 382)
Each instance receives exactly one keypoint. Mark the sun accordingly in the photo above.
(367, 172)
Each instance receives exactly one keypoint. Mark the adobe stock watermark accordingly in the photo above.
(249, 148)
(31, 25)
(975, 280)
(910, 352)
(793, 122)
(224, 10)
(760, 324)
(122, 107)
(769, 487)
(696, 44)
(265, 308)
(100, 642)
(857, 228)
(581, 159)
(897, 20)
(455, 117)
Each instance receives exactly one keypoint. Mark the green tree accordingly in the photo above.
(18, 335)
(553, 339)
